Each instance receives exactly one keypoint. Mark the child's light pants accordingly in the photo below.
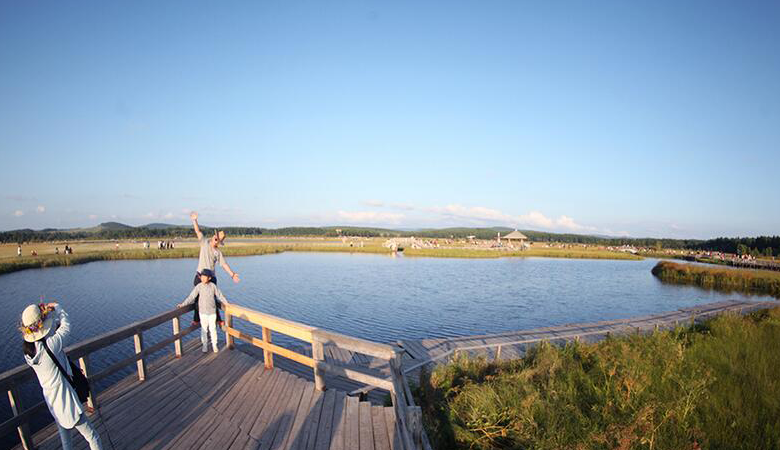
(208, 324)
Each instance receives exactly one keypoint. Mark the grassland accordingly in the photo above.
(89, 252)
(709, 386)
(576, 253)
(740, 280)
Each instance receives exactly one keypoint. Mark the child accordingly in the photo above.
(206, 292)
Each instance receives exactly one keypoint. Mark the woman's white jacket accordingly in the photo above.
(58, 393)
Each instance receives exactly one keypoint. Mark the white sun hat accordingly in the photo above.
(37, 321)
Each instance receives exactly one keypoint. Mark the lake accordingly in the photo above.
(376, 297)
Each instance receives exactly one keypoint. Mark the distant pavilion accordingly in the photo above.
(515, 237)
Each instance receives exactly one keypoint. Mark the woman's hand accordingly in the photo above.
(179, 305)
(235, 278)
(52, 305)
(194, 215)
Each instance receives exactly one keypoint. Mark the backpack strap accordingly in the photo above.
(57, 362)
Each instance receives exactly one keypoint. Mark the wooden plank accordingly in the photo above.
(240, 442)
(287, 415)
(247, 419)
(381, 439)
(366, 428)
(326, 421)
(393, 433)
(264, 424)
(337, 432)
(151, 422)
(304, 406)
(252, 395)
(352, 429)
(222, 437)
(313, 421)
(189, 436)
(237, 394)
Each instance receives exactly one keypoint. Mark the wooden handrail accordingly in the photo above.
(11, 379)
(23, 372)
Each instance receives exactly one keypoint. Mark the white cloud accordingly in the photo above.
(149, 215)
(41, 209)
(371, 217)
(92, 216)
(481, 215)
(168, 216)
(18, 213)
(376, 203)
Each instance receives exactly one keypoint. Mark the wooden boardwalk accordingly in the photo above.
(511, 345)
(229, 400)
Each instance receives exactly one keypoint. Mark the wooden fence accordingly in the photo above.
(11, 380)
(408, 415)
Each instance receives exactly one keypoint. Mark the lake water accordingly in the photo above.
(377, 297)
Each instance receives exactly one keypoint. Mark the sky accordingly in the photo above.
(650, 118)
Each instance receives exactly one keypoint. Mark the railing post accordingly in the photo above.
(395, 370)
(83, 364)
(228, 326)
(23, 429)
(177, 342)
(498, 353)
(318, 353)
(139, 347)
(414, 419)
(268, 356)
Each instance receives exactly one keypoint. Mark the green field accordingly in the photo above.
(13, 264)
(576, 253)
(749, 281)
(709, 386)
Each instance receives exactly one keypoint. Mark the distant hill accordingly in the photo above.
(116, 230)
(162, 226)
(113, 226)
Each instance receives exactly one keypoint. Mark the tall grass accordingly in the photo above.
(742, 280)
(712, 386)
(539, 252)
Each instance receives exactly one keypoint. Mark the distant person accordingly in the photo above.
(44, 330)
(206, 294)
(208, 258)
(19, 250)
(117, 246)
(56, 250)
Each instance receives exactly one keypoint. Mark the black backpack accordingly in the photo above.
(78, 381)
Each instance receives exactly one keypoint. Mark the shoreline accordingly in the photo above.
(721, 278)
(15, 264)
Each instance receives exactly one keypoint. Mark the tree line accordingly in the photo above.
(761, 245)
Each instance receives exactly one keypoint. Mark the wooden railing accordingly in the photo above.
(408, 415)
(12, 379)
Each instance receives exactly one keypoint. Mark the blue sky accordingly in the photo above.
(645, 119)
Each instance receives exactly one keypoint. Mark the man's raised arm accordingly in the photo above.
(194, 217)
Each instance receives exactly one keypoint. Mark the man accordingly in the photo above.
(208, 258)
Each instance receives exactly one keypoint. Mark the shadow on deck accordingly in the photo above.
(229, 400)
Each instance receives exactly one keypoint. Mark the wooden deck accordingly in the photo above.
(511, 345)
(229, 400)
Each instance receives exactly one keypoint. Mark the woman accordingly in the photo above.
(39, 328)
(208, 258)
